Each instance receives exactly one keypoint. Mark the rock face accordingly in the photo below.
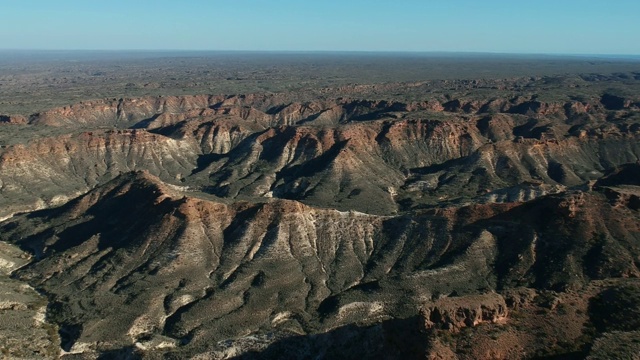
(259, 225)
(50, 171)
(372, 156)
(456, 313)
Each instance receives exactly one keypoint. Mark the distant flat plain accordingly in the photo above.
(32, 81)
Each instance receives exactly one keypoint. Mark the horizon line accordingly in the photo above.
(443, 52)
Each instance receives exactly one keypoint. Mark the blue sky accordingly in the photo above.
(558, 26)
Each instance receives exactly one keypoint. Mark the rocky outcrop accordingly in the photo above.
(13, 119)
(454, 314)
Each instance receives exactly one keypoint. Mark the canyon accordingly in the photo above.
(449, 219)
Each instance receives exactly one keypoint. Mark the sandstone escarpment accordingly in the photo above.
(344, 152)
(341, 165)
(267, 224)
(49, 171)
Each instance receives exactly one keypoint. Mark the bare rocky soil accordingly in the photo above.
(24, 330)
(484, 219)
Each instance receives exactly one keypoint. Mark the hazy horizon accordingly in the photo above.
(129, 54)
(544, 27)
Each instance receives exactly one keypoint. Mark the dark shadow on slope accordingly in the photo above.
(612, 102)
(576, 355)
(616, 308)
(310, 118)
(526, 108)
(374, 115)
(382, 136)
(276, 109)
(234, 232)
(391, 339)
(128, 207)
(447, 165)
(628, 174)
(142, 124)
(367, 111)
(530, 130)
(171, 131)
(68, 331)
(116, 214)
(235, 157)
(125, 353)
(205, 160)
(172, 323)
(557, 172)
(313, 166)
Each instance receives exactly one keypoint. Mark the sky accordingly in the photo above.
(499, 26)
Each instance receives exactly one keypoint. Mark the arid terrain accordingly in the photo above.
(319, 206)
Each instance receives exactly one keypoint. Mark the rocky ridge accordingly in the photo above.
(246, 225)
(273, 145)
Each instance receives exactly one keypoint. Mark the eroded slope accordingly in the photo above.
(224, 225)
